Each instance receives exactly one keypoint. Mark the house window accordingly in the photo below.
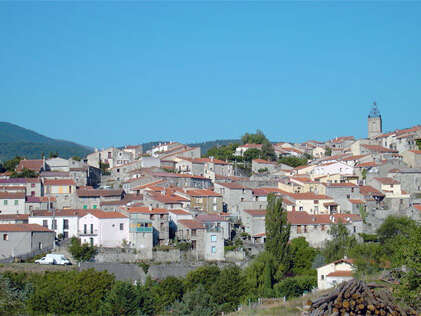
(298, 229)
(355, 229)
(348, 196)
(5, 237)
(305, 228)
(5, 202)
(213, 238)
(16, 202)
(65, 224)
(323, 277)
(323, 227)
(94, 206)
(85, 228)
(45, 223)
(32, 185)
(193, 232)
(300, 208)
(92, 228)
(213, 249)
(352, 190)
(85, 207)
(54, 224)
(121, 226)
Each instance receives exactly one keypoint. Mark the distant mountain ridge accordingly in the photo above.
(19, 141)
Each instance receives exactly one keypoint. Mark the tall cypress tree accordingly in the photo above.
(277, 231)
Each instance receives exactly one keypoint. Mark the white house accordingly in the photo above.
(65, 222)
(105, 229)
(333, 168)
(334, 273)
(12, 202)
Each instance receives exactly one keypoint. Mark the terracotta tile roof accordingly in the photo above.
(34, 165)
(205, 160)
(23, 228)
(179, 212)
(342, 185)
(20, 180)
(102, 192)
(356, 201)
(147, 210)
(357, 157)
(378, 149)
(342, 139)
(59, 174)
(59, 182)
(176, 175)
(234, 186)
(259, 235)
(256, 213)
(40, 199)
(61, 213)
(387, 181)
(303, 218)
(5, 217)
(367, 164)
(191, 223)
(309, 196)
(105, 215)
(369, 190)
(209, 218)
(418, 152)
(167, 198)
(340, 273)
(330, 204)
(199, 192)
(12, 195)
(417, 207)
(144, 186)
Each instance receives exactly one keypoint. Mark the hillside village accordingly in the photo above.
(144, 201)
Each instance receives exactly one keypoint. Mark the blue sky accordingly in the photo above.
(114, 73)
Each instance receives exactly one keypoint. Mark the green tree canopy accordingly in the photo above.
(277, 231)
(302, 256)
(340, 244)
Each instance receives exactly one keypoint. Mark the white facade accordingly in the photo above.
(12, 203)
(333, 168)
(65, 225)
(334, 273)
(104, 232)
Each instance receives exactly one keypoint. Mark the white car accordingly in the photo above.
(53, 259)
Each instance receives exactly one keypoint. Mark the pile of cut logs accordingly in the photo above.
(356, 298)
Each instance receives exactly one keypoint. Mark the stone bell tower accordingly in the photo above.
(374, 122)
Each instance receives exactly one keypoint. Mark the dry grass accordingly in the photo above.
(32, 267)
(269, 307)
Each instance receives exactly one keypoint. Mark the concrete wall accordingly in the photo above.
(25, 244)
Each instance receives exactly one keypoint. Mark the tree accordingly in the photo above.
(368, 258)
(252, 153)
(256, 274)
(328, 151)
(418, 142)
(229, 288)
(76, 158)
(295, 286)
(25, 173)
(120, 300)
(104, 168)
(395, 226)
(11, 299)
(293, 161)
(268, 152)
(81, 252)
(340, 244)
(69, 292)
(53, 154)
(205, 275)
(257, 138)
(222, 152)
(409, 288)
(166, 292)
(277, 231)
(197, 302)
(302, 256)
(10, 165)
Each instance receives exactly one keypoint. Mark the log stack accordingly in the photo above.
(356, 298)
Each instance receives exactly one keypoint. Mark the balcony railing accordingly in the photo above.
(88, 232)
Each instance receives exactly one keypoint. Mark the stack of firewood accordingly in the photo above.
(356, 298)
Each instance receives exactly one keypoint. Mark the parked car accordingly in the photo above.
(53, 258)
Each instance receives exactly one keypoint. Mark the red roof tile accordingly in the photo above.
(340, 273)
(191, 223)
(12, 195)
(59, 182)
(387, 181)
(34, 165)
(23, 228)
